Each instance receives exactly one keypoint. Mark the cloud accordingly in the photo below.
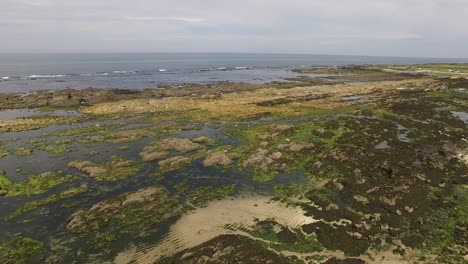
(152, 18)
(33, 3)
(373, 27)
(408, 36)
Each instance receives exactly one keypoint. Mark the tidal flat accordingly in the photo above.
(362, 164)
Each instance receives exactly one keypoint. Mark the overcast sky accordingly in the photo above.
(431, 28)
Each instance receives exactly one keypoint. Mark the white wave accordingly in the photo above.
(241, 68)
(6, 78)
(162, 70)
(47, 76)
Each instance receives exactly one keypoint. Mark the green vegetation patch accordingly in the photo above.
(22, 152)
(36, 184)
(282, 238)
(201, 196)
(274, 148)
(3, 150)
(19, 250)
(55, 147)
(51, 199)
(128, 212)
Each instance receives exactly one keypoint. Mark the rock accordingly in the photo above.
(398, 212)
(160, 149)
(361, 199)
(87, 167)
(178, 144)
(281, 128)
(3, 192)
(204, 140)
(295, 147)
(174, 163)
(355, 234)
(265, 137)
(409, 209)
(141, 196)
(260, 159)
(332, 206)
(339, 186)
(388, 201)
(100, 214)
(384, 227)
(151, 153)
(420, 220)
(277, 156)
(217, 158)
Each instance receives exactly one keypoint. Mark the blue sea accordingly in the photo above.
(32, 72)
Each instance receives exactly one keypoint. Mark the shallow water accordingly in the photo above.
(19, 113)
(463, 116)
(33, 72)
(49, 221)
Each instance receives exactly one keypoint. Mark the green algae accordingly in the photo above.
(297, 149)
(134, 212)
(4, 153)
(19, 250)
(202, 195)
(22, 152)
(291, 240)
(102, 239)
(51, 199)
(444, 229)
(54, 147)
(96, 129)
(36, 184)
(262, 176)
(128, 213)
(3, 150)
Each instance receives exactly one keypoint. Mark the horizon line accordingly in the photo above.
(244, 53)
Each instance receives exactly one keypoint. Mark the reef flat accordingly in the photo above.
(364, 164)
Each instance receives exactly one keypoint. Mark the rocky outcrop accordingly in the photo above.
(174, 163)
(88, 167)
(265, 160)
(178, 144)
(218, 158)
(143, 201)
(204, 140)
(160, 149)
(295, 147)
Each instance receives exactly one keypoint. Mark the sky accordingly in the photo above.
(417, 28)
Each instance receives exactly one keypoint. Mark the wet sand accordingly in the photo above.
(206, 223)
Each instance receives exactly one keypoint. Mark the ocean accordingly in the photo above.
(26, 73)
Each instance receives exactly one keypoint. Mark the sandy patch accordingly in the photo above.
(207, 223)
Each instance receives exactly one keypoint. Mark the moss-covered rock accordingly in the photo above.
(31, 205)
(144, 207)
(19, 250)
(36, 184)
(115, 169)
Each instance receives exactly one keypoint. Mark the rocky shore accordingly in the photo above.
(370, 163)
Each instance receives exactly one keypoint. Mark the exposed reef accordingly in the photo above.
(365, 164)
